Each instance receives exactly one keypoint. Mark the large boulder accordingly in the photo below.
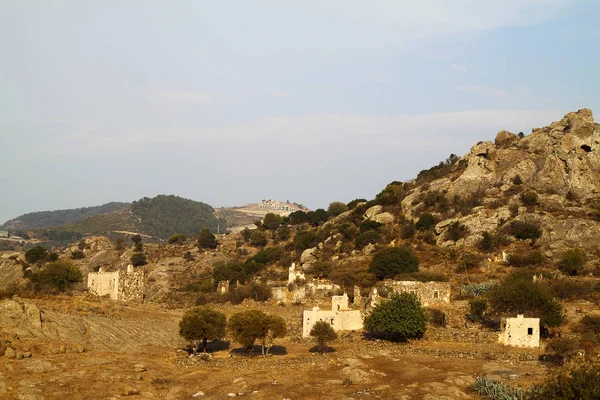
(384, 218)
(309, 256)
(373, 211)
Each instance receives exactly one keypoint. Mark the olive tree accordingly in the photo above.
(323, 333)
(248, 326)
(399, 318)
(200, 324)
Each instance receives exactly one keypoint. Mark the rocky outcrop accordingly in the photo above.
(384, 218)
(560, 158)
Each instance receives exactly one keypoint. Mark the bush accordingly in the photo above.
(477, 309)
(320, 269)
(258, 239)
(248, 326)
(426, 222)
(200, 324)
(487, 242)
(38, 253)
(524, 230)
(323, 333)
(517, 180)
(582, 383)
(529, 198)
(457, 231)
(57, 275)
(305, 240)
(572, 261)
(370, 225)
(255, 292)
(348, 275)
(352, 205)
(527, 259)
(231, 272)
(188, 256)
(177, 238)
(517, 294)
(283, 233)
(77, 255)
(570, 289)
(399, 318)
(246, 233)
(272, 221)
(562, 348)
(590, 323)
(207, 240)
(392, 261)
(138, 259)
(336, 208)
(496, 390)
(469, 261)
(369, 237)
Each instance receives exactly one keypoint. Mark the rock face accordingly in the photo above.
(560, 158)
(384, 218)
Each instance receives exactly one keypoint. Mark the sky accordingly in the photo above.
(230, 102)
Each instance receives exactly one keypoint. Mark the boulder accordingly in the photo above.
(384, 218)
(309, 255)
(373, 211)
(10, 353)
(504, 138)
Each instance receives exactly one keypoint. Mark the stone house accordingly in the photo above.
(341, 318)
(429, 293)
(4, 234)
(520, 332)
(118, 285)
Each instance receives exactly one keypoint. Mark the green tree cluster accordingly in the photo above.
(247, 327)
(58, 275)
(200, 324)
(399, 318)
(323, 334)
(207, 240)
(392, 261)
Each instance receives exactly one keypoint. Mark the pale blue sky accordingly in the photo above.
(230, 102)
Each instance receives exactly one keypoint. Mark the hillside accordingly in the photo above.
(47, 219)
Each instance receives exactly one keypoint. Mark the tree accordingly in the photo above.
(426, 221)
(399, 318)
(283, 233)
(207, 240)
(138, 259)
(177, 238)
(572, 261)
(35, 254)
(77, 255)
(200, 324)
(58, 275)
(323, 333)
(392, 261)
(246, 233)
(137, 240)
(517, 294)
(258, 239)
(336, 208)
(248, 326)
(271, 221)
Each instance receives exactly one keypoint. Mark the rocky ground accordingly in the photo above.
(81, 348)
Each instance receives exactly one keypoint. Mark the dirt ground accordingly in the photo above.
(97, 349)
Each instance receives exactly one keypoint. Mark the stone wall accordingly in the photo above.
(339, 320)
(520, 332)
(118, 285)
(429, 293)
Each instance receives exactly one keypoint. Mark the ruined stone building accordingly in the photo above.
(341, 318)
(429, 293)
(223, 287)
(118, 285)
(520, 332)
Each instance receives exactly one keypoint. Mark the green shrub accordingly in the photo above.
(188, 256)
(57, 275)
(569, 289)
(581, 382)
(517, 180)
(524, 230)
(457, 231)
(283, 233)
(366, 238)
(495, 390)
(487, 242)
(138, 259)
(177, 238)
(77, 255)
(527, 259)
(572, 261)
(305, 240)
(258, 238)
(469, 261)
(370, 225)
(272, 221)
(426, 222)
(336, 208)
(529, 198)
(207, 240)
(352, 205)
(231, 272)
(320, 269)
(399, 318)
(38, 253)
(477, 309)
(392, 261)
(322, 333)
(200, 324)
(590, 323)
(517, 294)
(562, 348)
(256, 292)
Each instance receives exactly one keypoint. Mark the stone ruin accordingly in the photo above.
(118, 285)
(223, 287)
(341, 318)
(429, 293)
(520, 332)
(299, 287)
(295, 275)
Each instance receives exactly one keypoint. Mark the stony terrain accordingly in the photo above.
(85, 348)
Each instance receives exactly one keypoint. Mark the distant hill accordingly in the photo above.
(48, 219)
(164, 215)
